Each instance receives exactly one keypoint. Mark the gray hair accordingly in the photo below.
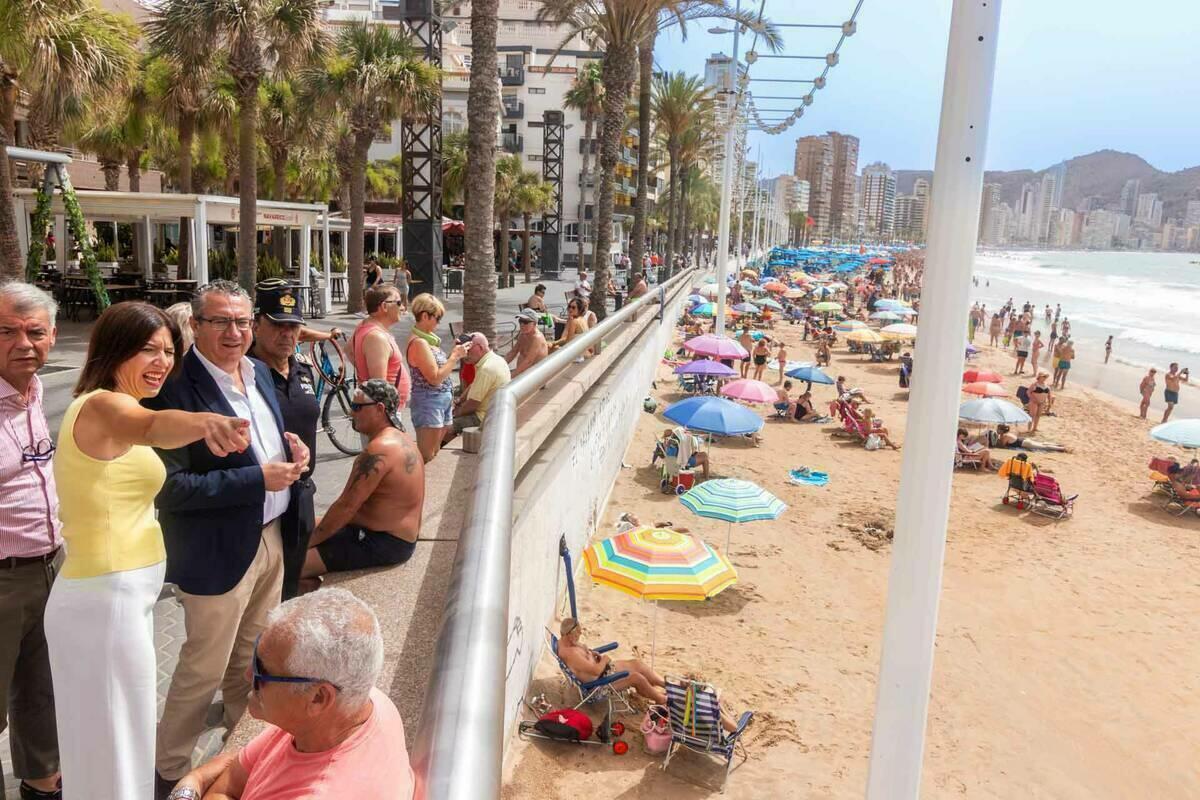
(26, 297)
(335, 637)
(216, 287)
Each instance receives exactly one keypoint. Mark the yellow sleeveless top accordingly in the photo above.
(106, 507)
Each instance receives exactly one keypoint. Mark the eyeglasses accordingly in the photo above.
(360, 406)
(223, 323)
(259, 675)
(38, 453)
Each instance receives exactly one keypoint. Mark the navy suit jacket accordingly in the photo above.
(210, 508)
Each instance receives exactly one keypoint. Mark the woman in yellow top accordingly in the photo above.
(99, 619)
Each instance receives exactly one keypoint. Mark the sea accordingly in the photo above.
(1148, 302)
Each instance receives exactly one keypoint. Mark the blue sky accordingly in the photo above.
(1071, 77)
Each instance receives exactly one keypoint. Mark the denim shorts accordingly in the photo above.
(431, 409)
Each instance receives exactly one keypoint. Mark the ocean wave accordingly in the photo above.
(1163, 340)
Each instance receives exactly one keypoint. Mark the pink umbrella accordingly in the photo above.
(751, 391)
(714, 346)
(985, 389)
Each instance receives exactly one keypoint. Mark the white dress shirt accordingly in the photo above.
(265, 439)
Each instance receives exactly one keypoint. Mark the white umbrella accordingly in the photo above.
(992, 411)
(1183, 432)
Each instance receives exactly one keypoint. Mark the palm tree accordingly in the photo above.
(586, 96)
(454, 170)
(375, 75)
(619, 27)
(287, 123)
(483, 106)
(54, 50)
(508, 176)
(637, 238)
(679, 102)
(532, 196)
(259, 36)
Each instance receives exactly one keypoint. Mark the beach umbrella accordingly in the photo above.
(732, 500)
(708, 367)
(900, 330)
(659, 564)
(848, 325)
(993, 411)
(985, 389)
(774, 286)
(750, 391)
(822, 291)
(887, 316)
(973, 375)
(827, 307)
(864, 336)
(709, 290)
(1182, 432)
(837, 286)
(714, 346)
(696, 299)
(878, 261)
(891, 304)
(773, 364)
(746, 308)
(904, 311)
(810, 375)
(794, 294)
(714, 415)
(767, 302)
(705, 310)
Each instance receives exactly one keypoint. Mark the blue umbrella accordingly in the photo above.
(714, 415)
(696, 299)
(809, 375)
(705, 367)
(746, 308)
(767, 302)
(1183, 432)
(992, 411)
(705, 310)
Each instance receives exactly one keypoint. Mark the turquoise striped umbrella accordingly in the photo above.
(732, 500)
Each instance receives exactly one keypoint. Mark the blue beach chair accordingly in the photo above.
(695, 716)
(600, 690)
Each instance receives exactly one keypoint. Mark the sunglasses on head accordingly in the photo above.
(259, 675)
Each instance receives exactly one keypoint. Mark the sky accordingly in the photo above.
(1072, 77)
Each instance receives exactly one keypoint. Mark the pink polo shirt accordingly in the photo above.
(29, 523)
(370, 765)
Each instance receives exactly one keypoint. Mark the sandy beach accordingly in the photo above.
(1066, 662)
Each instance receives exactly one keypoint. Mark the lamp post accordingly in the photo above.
(923, 505)
(727, 178)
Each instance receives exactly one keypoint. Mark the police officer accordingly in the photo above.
(278, 328)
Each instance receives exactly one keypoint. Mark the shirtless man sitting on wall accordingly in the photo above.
(376, 519)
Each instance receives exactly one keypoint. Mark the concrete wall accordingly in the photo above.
(563, 489)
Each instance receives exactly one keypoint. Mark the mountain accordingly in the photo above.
(1101, 174)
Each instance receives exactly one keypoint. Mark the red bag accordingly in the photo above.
(566, 724)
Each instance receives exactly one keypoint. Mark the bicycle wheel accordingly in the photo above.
(337, 423)
(329, 360)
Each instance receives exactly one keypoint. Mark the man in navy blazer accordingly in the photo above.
(224, 521)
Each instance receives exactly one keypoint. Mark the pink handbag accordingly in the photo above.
(656, 730)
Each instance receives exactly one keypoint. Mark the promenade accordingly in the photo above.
(407, 599)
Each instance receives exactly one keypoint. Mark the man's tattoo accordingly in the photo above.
(364, 465)
(411, 458)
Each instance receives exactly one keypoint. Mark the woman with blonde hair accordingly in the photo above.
(432, 389)
(181, 314)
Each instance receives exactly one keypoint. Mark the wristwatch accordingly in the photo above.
(183, 793)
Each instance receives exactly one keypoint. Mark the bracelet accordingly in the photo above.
(183, 793)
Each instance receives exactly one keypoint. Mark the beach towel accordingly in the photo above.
(687, 444)
(808, 477)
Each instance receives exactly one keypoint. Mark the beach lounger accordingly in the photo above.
(963, 460)
(1160, 473)
(695, 716)
(1049, 500)
(600, 690)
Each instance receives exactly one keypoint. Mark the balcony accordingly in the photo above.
(591, 180)
(512, 143)
(514, 109)
(629, 156)
(512, 76)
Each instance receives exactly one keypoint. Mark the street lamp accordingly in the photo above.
(727, 177)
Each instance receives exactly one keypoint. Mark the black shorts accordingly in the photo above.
(353, 547)
(760, 360)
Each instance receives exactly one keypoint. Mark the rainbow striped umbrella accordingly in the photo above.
(659, 564)
(732, 500)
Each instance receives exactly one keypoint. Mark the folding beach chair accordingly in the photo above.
(600, 690)
(963, 460)
(1048, 498)
(695, 716)
(1020, 474)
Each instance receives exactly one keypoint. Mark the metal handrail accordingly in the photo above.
(458, 751)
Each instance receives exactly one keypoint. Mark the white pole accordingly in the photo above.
(726, 183)
(741, 211)
(327, 302)
(201, 240)
(923, 506)
(148, 248)
(757, 216)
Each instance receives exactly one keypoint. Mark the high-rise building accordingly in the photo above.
(814, 164)
(719, 76)
(1144, 210)
(923, 191)
(1059, 171)
(988, 205)
(843, 218)
(1045, 206)
(879, 200)
(1192, 215)
(1156, 214)
(1026, 211)
(1129, 196)
(1100, 229)
(801, 191)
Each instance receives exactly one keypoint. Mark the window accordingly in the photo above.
(536, 90)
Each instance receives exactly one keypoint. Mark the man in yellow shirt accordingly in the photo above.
(491, 372)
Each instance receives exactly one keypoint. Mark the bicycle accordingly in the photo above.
(337, 421)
